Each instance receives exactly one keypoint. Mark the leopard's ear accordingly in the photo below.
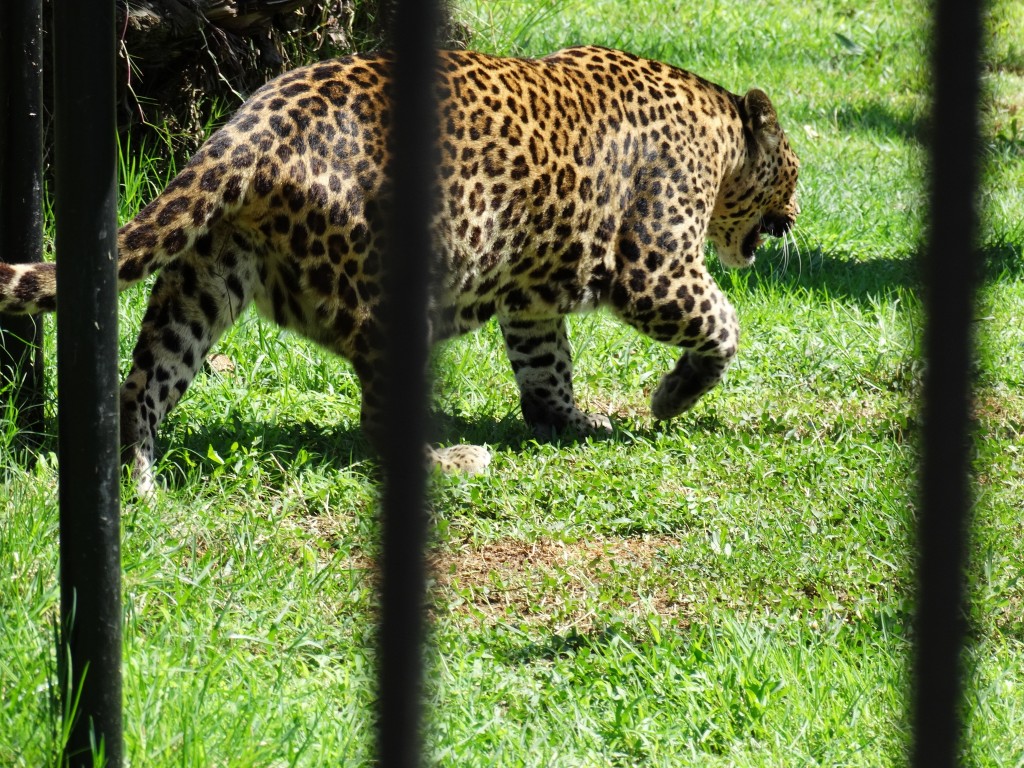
(759, 118)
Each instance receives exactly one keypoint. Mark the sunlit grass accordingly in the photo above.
(730, 589)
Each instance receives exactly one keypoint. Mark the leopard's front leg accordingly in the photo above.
(679, 390)
(698, 318)
(542, 363)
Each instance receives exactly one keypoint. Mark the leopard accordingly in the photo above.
(588, 178)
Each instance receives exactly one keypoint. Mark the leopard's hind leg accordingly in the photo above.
(542, 363)
(193, 301)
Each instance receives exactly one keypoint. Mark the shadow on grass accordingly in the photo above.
(283, 444)
(842, 275)
(509, 433)
(560, 645)
(323, 446)
(279, 448)
(881, 119)
(839, 275)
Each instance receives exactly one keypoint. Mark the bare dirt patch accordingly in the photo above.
(1000, 414)
(563, 585)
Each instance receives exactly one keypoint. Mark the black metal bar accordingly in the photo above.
(88, 433)
(21, 201)
(952, 267)
(403, 583)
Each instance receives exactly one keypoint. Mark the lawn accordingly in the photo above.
(732, 588)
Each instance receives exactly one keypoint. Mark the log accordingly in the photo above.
(183, 64)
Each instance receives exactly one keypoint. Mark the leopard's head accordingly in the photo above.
(760, 197)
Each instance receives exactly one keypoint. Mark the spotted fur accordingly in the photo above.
(587, 178)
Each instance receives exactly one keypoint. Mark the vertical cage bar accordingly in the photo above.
(403, 583)
(21, 200)
(951, 254)
(88, 433)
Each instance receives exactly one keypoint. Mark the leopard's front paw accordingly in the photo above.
(671, 397)
(681, 388)
(464, 459)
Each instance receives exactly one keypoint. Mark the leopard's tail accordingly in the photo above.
(28, 289)
(178, 220)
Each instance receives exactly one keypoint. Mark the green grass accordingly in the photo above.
(733, 588)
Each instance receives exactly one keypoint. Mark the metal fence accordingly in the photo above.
(87, 411)
(21, 189)
(951, 269)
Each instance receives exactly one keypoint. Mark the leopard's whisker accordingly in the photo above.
(790, 239)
